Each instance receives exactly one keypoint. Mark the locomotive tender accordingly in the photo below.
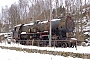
(39, 31)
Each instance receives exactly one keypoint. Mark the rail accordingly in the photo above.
(42, 43)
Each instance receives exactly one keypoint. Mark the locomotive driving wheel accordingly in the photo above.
(63, 45)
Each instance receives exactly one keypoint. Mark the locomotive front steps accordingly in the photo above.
(41, 51)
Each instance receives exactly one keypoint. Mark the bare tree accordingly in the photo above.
(23, 10)
(38, 9)
(14, 17)
(0, 26)
(5, 19)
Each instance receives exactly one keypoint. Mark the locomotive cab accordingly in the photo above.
(37, 21)
(16, 32)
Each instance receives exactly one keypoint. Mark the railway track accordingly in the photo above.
(45, 51)
(43, 43)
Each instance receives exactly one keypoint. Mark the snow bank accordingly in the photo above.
(6, 54)
(81, 52)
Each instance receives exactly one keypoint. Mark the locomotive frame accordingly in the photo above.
(38, 33)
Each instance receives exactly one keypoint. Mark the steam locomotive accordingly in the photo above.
(61, 30)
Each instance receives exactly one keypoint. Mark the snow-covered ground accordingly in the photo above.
(6, 54)
(80, 49)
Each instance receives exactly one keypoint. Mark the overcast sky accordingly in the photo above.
(3, 3)
(7, 2)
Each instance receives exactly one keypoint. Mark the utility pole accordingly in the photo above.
(50, 23)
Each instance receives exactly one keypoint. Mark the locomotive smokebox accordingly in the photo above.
(66, 24)
(69, 24)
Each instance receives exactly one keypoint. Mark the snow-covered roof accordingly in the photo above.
(55, 19)
(86, 28)
(37, 20)
(51, 20)
(73, 38)
(43, 22)
(88, 23)
(18, 25)
(5, 33)
(28, 24)
(87, 33)
(84, 19)
(1, 34)
(23, 33)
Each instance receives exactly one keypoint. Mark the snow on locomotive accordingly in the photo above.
(39, 31)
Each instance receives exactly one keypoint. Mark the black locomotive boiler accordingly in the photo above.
(39, 31)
